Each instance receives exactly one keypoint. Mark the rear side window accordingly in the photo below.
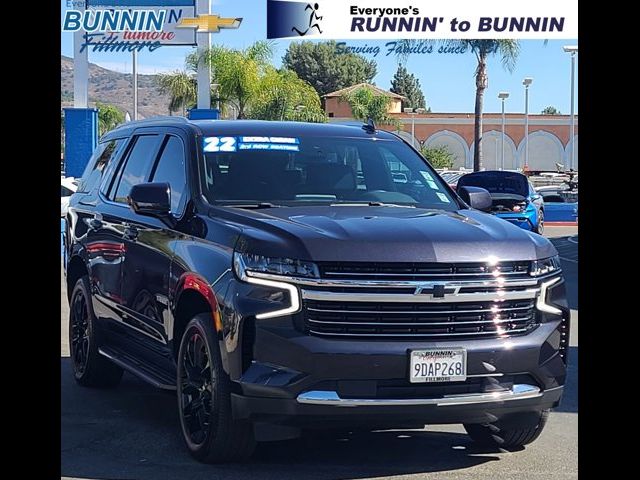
(137, 166)
(171, 169)
(102, 156)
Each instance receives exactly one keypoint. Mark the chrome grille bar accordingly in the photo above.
(421, 335)
(411, 298)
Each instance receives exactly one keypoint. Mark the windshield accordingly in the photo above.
(319, 170)
(497, 182)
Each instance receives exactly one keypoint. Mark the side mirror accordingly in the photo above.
(152, 199)
(476, 197)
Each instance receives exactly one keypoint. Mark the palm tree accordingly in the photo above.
(508, 51)
(109, 117)
(181, 87)
(282, 95)
(367, 104)
(238, 72)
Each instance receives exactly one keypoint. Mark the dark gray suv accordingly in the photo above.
(287, 276)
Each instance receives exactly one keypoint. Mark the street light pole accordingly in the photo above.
(135, 83)
(410, 111)
(526, 82)
(572, 49)
(503, 96)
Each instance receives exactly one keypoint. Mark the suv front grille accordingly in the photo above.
(423, 320)
(438, 301)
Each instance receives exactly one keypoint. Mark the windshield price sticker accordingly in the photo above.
(432, 185)
(427, 176)
(220, 144)
(443, 197)
(233, 144)
(287, 140)
(268, 146)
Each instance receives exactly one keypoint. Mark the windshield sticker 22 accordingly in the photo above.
(443, 197)
(233, 144)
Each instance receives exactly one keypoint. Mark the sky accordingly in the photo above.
(446, 79)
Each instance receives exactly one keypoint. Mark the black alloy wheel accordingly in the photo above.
(196, 382)
(209, 430)
(80, 340)
(90, 368)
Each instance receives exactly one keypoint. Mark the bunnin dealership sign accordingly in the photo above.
(414, 19)
(127, 25)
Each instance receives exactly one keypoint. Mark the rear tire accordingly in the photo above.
(204, 399)
(517, 431)
(90, 369)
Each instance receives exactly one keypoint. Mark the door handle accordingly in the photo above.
(96, 222)
(130, 232)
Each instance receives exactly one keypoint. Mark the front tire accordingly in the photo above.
(90, 369)
(204, 399)
(540, 227)
(519, 430)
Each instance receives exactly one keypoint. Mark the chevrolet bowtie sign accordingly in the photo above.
(209, 23)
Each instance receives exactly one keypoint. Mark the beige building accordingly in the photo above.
(549, 135)
(337, 108)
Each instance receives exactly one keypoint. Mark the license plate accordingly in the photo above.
(438, 365)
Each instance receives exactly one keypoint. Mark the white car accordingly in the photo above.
(68, 186)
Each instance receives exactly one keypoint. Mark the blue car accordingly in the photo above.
(514, 198)
(561, 204)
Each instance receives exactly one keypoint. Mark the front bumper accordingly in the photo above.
(523, 221)
(341, 382)
(284, 376)
(325, 409)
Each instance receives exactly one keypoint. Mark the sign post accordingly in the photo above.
(204, 72)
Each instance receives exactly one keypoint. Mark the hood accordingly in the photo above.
(389, 234)
(497, 182)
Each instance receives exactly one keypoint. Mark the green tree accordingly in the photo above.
(507, 50)
(326, 70)
(281, 95)
(238, 72)
(366, 103)
(439, 157)
(550, 110)
(181, 87)
(109, 117)
(407, 85)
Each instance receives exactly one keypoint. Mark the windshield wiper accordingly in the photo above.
(370, 204)
(254, 206)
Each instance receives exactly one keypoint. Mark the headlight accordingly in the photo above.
(545, 266)
(245, 262)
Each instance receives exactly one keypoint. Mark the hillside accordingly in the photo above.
(114, 88)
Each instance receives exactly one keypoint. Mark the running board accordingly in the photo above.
(139, 369)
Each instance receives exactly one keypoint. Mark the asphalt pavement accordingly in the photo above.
(132, 432)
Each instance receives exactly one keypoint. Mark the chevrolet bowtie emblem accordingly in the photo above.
(209, 23)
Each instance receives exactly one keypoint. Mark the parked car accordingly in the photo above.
(561, 204)
(277, 278)
(513, 197)
(452, 176)
(68, 187)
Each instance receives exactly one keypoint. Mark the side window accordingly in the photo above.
(102, 156)
(65, 192)
(171, 168)
(136, 168)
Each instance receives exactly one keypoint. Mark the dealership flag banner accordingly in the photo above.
(415, 19)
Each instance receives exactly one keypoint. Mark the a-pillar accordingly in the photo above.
(81, 139)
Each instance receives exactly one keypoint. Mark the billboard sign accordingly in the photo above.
(123, 25)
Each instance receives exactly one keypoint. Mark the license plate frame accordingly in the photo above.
(434, 364)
